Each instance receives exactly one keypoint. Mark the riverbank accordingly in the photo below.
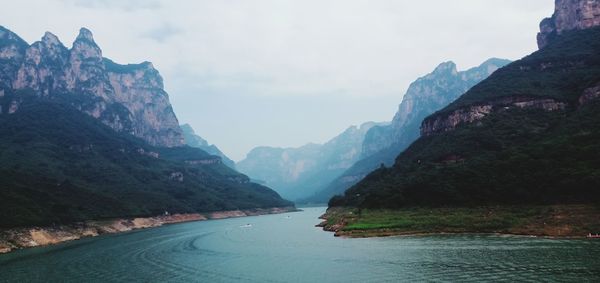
(568, 221)
(18, 238)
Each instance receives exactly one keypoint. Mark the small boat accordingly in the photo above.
(246, 226)
(596, 236)
(288, 217)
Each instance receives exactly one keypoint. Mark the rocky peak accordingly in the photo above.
(85, 35)
(85, 48)
(569, 15)
(50, 39)
(128, 98)
(425, 96)
(445, 68)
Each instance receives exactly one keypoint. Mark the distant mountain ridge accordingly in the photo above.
(528, 134)
(297, 172)
(425, 96)
(194, 140)
(128, 98)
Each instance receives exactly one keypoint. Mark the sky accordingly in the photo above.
(247, 73)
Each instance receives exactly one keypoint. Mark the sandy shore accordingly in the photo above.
(19, 238)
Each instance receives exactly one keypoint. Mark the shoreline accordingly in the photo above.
(29, 237)
(547, 221)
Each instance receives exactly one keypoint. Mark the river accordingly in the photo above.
(288, 248)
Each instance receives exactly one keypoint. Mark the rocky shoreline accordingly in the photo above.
(555, 221)
(19, 238)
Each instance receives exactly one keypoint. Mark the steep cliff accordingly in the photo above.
(84, 138)
(128, 98)
(194, 140)
(297, 172)
(569, 15)
(527, 134)
(426, 95)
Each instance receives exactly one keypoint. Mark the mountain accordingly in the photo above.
(128, 98)
(568, 15)
(85, 138)
(424, 96)
(526, 135)
(296, 173)
(193, 140)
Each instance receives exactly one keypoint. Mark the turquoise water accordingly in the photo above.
(278, 248)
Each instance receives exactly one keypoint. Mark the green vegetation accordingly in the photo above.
(58, 165)
(571, 220)
(561, 71)
(513, 156)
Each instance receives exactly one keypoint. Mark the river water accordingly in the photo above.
(288, 248)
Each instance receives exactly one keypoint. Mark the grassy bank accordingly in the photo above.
(554, 221)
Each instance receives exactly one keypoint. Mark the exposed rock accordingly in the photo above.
(14, 106)
(425, 96)
(148, 153)
(444, 123)
(128, 98)
(569, 15)
(590, 94)
(204, 161)
(176, 176)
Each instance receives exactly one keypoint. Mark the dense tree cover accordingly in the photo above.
(58, 165)
(513, 156)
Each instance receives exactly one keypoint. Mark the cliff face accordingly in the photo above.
(297, 172)
(525, 135)
(128, 98)
(426, 95)
(569, 15)
(473, 113)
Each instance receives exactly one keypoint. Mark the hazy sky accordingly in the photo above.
(247, 73)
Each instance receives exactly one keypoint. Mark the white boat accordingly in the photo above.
(246, 226)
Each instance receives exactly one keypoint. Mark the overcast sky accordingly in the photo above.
(247, 73)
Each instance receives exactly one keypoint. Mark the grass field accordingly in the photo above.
(548, 220)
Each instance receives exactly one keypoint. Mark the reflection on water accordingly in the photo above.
(288, 248)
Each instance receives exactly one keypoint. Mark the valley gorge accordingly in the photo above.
(297, 173)
(484, 169)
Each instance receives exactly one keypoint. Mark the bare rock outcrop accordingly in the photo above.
(443, 123)
(569, 15)
(590, 94)
(128, 98)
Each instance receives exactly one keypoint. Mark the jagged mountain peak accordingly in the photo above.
(85, 34)
(446, 67)
(51, 39)
(569, 15)
(128, 98)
